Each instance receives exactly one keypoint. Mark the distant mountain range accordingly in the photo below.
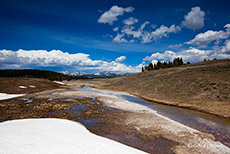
(76, 73)
(98, 74)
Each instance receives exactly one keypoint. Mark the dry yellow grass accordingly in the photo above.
(203, 86)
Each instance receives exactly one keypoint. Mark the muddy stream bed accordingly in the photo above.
(109, 122)
(218, 127)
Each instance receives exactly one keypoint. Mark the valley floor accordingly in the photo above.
(112, 117)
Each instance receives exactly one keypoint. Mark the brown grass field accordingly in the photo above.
(203, 86)
(11, 85)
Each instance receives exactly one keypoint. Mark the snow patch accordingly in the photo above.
(4, 96)
(57, 136)
(31, 86)
(22, 87)
(58, 82)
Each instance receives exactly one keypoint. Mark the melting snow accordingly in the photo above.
(30, 136)
(31, 86)
(192, 140)
(22, 87)
(4, 96)
(58, 82)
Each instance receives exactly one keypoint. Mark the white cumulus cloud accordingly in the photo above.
(166, 56)
(192, 54)
(57, 58)
(194, 19)
(227, 26)
(111, 15)
(119, 38)
(225, 49)
(203, 39)
(130, 21)
(156, 35)
(120, 59)
(144, 25)
(129, 30)
(128, 33)
(115, 29)
(147, 36)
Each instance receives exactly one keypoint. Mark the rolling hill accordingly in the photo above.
(203, 86)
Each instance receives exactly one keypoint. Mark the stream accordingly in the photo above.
(218, 127)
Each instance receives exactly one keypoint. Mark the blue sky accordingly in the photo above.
(119, 35)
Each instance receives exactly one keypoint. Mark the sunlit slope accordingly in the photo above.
(203, 86)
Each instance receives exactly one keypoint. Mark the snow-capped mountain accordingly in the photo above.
(110, 74)
(76, 73)
(64, 72)
(98, 74)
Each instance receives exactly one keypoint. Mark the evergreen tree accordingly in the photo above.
(170, 64)
(150, 67)
(164, 65)
(146, 68)
(178, 61)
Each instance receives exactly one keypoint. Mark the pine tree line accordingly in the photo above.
(161, 65)
(33, 73)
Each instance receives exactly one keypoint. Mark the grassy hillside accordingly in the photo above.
(203, 86)
(11, 85)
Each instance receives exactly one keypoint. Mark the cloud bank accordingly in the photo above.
(220, 49)
(192, 54)
(203, 39)
(57, 58)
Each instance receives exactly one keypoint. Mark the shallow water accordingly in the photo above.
(27, 100)
(218, 127)
(88, 122)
